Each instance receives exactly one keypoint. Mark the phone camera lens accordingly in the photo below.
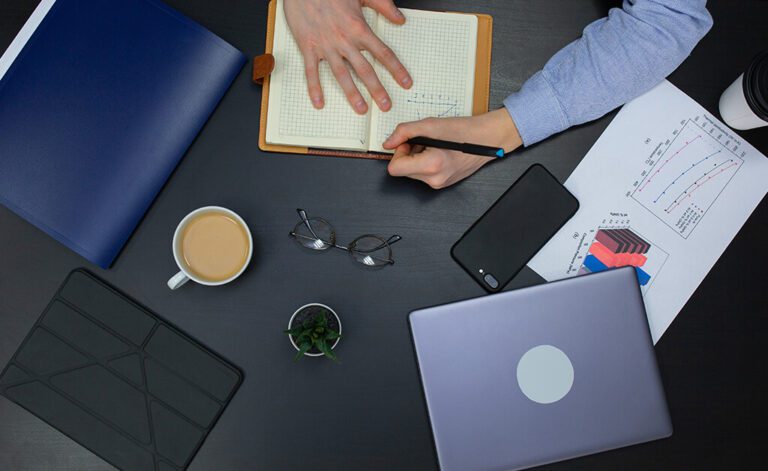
(491, 281)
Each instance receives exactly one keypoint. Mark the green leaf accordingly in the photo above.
(303, 348)
(331, 355)
(323, 346)
(332, 335)
(322, 320)
(295, 330)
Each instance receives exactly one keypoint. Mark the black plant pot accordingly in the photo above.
(310, 310)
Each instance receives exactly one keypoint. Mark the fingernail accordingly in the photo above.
(384, 102)
(317, 102)
(406, 81)
(360, 106)
(399, 14)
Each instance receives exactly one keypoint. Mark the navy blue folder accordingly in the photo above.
(96, 112)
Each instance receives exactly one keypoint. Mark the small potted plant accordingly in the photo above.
(314, 330)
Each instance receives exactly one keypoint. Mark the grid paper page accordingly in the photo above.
(439, 50)
(291, 118)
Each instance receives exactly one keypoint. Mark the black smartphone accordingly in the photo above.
(517, 225)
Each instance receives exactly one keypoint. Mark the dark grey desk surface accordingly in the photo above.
(367, 412)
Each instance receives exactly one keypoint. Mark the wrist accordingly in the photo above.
(499, 130)
(505, 131)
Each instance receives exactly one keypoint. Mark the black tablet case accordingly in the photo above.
(118, 379)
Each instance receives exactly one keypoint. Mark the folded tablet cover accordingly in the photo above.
(117, 379)
(97, 110)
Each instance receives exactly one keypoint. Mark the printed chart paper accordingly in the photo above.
(665, 189)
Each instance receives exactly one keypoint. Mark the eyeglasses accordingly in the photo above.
(318, 234)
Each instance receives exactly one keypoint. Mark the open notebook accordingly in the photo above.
(438, 49)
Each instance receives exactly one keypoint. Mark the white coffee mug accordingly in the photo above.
(185, 273)
(744, 104)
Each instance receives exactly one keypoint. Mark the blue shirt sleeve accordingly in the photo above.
(617, 59)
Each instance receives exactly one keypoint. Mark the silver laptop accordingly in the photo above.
(541, 374)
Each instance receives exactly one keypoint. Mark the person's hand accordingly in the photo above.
(336, 31)
(440, 168)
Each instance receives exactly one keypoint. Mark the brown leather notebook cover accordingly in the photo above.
(263, 66)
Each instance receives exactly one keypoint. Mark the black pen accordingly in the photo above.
(474, 149)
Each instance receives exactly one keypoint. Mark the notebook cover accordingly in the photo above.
(118, 379)
(98, 109)
(480, 102)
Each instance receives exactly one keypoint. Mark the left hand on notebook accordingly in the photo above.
(441, 168)
(336, 31)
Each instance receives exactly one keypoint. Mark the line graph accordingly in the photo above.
(683, 174)
(433, 104)
(688, 192)
(686, 176)
(650, 179)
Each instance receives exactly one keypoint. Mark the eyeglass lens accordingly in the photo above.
(371, 251)
(318, 235)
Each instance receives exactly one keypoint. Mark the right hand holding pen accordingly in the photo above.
(440, 168)
(336, 31)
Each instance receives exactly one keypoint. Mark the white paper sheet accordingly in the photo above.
(674, 175)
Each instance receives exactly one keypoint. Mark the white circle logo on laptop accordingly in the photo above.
(545, 374)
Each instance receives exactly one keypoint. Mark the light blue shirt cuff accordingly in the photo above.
(536, 111)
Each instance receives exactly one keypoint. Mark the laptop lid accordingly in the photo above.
(541, 374)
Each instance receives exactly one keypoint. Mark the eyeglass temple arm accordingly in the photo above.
(393, 239)
(305, 219)
(390, 241)
(302, 236)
